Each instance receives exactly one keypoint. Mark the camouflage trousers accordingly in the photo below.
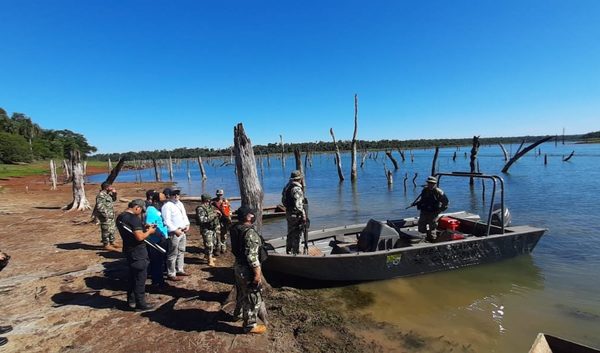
(209, 236)
(428, 219)
(107, 232)
(294, 228)
(221, 236)
(249, 297)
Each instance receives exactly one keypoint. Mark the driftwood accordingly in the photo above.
(201, 166)
(435, 157)
(569, 157)
(353, 174)
(250, 190)
(53, 174)
(394, 162)
(503, 151)
(338, 159)
(474, 151)
(523, 152)
(80, 202)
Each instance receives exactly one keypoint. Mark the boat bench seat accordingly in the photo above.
(377, 235)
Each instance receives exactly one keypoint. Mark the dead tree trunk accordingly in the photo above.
(67, 170)
(109, 165)
(201, 166)
(170, 168)
(545, 159)
(251, 192)
(353, 174)
(523, 152)
(187, 168)
(80, 202)
(53, 174)
(474, 151)
(454, 157)
(364, 157)
(156, 170)
(388, 175)
(414, 179)
(298, 158)
(503, 151)
(569, 157)
(389, 154)
(268, 160)
(338, 159)
(402, 155)
(405, 179)
(435, 157)
(282, 151)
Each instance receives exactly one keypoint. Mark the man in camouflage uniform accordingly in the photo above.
(293, 199)
(105, 213)
(222, 204)
(430, 202)
(245, 245)
(208, 221)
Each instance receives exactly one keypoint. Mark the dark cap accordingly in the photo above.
(170, 192)
(138, 202)
(205, 197)
(243, 211)
(296, 175)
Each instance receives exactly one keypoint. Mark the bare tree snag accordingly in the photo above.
(338, 159)
(156, 170)
(53, 174)
(268, 160)
(388, 175)
(298, 159)
(201, 166)
(362, 162)
(412, 157)
(170, 168)
(523, 152)
(503, 151)
(454, 157)
(402, 155)
(251, 192)
(115, 172)
(282, 151)
(405, 179)
(109, 165)
(545, 159)
(474, 151)
(520, 146)
(389, 154)
(80, 202)
(435, 157)
(187, 168)
(414, 179)
(569, 157)
(353, 174)
(66, 170)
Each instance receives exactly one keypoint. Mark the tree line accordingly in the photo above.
(22, 140)
(320, 146)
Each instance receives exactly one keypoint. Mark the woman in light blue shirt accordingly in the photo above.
(157, 259)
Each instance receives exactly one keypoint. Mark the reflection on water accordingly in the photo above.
(489, 308)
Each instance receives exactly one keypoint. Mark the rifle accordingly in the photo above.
(414, 203)
(155, 246)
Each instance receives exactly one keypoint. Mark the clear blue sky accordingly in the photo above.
(139, 75)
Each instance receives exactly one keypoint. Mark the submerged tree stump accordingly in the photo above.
(503, 151)
(338, 159)
(474, 152)
(201, 166)
(435, 157)
(251, 192)
(523, 152)
(353, 174)
(394, 162)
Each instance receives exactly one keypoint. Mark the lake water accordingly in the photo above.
(490, 308)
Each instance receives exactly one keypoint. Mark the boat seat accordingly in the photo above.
(411, 235)
(314, 251)
(369, 238)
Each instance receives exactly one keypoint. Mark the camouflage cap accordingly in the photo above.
(205, 197)
(296, 175)
(432, 180)
(220, 192)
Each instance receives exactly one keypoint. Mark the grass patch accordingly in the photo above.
(21, 170)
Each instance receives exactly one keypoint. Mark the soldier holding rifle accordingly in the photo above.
(294, 201)
(430, 202)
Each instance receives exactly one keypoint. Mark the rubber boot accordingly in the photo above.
(211, 261)
(258, 329)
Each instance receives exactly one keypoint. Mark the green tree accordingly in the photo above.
(14, 148)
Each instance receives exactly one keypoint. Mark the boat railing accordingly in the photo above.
(495, 180)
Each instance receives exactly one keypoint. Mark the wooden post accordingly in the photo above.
(389, 154)
(338, 159)
(435, 157)
(156, 170)
(282, 151)
(53, 174)
(503, 151)
(80, 202)
(201, 166)
(474, 151)
(353, 174)
(250, 190)
(523, 152)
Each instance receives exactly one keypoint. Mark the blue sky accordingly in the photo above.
(139, 75)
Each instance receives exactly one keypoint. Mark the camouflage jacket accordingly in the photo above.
(207, 217)
(292, 198)
(245, 245)
(104, 210)
(433, 200)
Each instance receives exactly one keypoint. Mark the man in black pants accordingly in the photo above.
(133, 233)
(4, 329)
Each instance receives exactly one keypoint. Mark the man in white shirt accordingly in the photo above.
(177, 222)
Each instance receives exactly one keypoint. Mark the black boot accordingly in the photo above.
(3, 341)
(131, 300)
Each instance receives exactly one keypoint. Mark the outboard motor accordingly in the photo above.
(497, 216)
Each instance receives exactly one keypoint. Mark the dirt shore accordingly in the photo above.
(62, 292)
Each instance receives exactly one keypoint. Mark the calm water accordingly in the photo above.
(494, 308)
